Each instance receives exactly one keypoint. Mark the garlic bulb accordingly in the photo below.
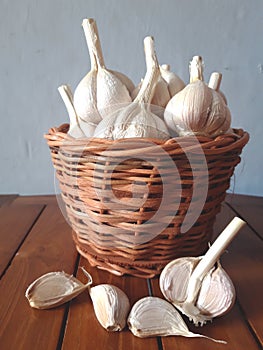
(111, 305)
(174, 83)
(153, 316)
(167, 85)
(78, 128)
(195, 286)
(101, 91)
(136, 118)
(54, 289)
(197, 109)
(214, 83)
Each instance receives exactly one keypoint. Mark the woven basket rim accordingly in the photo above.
(57, 137)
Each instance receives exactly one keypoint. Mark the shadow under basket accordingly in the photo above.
(136, 204)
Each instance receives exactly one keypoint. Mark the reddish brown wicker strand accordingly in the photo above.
(103, 234)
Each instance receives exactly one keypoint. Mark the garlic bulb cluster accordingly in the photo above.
(197, 109)
(195, 286)
(101, 90)
(136, 119)
(153, 316)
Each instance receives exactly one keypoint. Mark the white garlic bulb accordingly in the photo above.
(101, 90)
(197, 109)
(136, 118)
(153, 316)
(195, 286)
(167, 85)
(86, 129)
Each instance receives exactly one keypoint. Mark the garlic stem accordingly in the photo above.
(93, 41)
(152, 73)
(215, 81)
(67, 98)
(196, 69)
(209, 259)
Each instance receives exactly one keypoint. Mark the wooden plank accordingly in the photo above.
(48, 247)
(83, 330)
(43, 199)
(15, 223)
(244, 264)
(238, 263)
(250, 208)
(7, 199)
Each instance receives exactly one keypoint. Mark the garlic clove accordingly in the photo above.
(54, 289)
(153, 316)
(175, 84)
(111, 306)
(217, 293)
(175, 276)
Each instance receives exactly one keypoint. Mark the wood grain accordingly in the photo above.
(250, 208)
(48, 247)
(15, 222)
(7, 199)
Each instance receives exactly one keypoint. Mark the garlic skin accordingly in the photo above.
(111, 306)
(54, 289)
(175, 84)
(77, 128)
(214, 83)
(101, 90)
(197, 109)
(153, 316)
(195, 287)
(136, 118)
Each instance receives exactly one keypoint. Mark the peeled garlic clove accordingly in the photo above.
(111, 306)
(217, 293)
(153, 316)
(53, 289)
(175, 84)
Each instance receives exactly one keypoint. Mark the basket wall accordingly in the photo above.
(113, 234)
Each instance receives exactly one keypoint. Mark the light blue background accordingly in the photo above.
(42, 45)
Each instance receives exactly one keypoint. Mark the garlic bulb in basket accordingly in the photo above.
(101, 90)
(174, 83)
(214, 83)
(136, 118)
(153, 316)
(77, 129)
(197, 109)
(195, 286)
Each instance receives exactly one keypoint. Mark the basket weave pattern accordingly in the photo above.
(113, 234)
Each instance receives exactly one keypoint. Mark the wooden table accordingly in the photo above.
(35, 239)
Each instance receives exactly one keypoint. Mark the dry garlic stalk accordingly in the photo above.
(195, 286)
(54, 289)
(153, 316)
(136, 118)
(197, 109)
(101, 90)
(111, 305)
(214, 83)
(78, 128)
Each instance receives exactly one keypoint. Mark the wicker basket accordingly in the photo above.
(113, 194)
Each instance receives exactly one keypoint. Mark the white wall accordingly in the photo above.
(42, 46)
